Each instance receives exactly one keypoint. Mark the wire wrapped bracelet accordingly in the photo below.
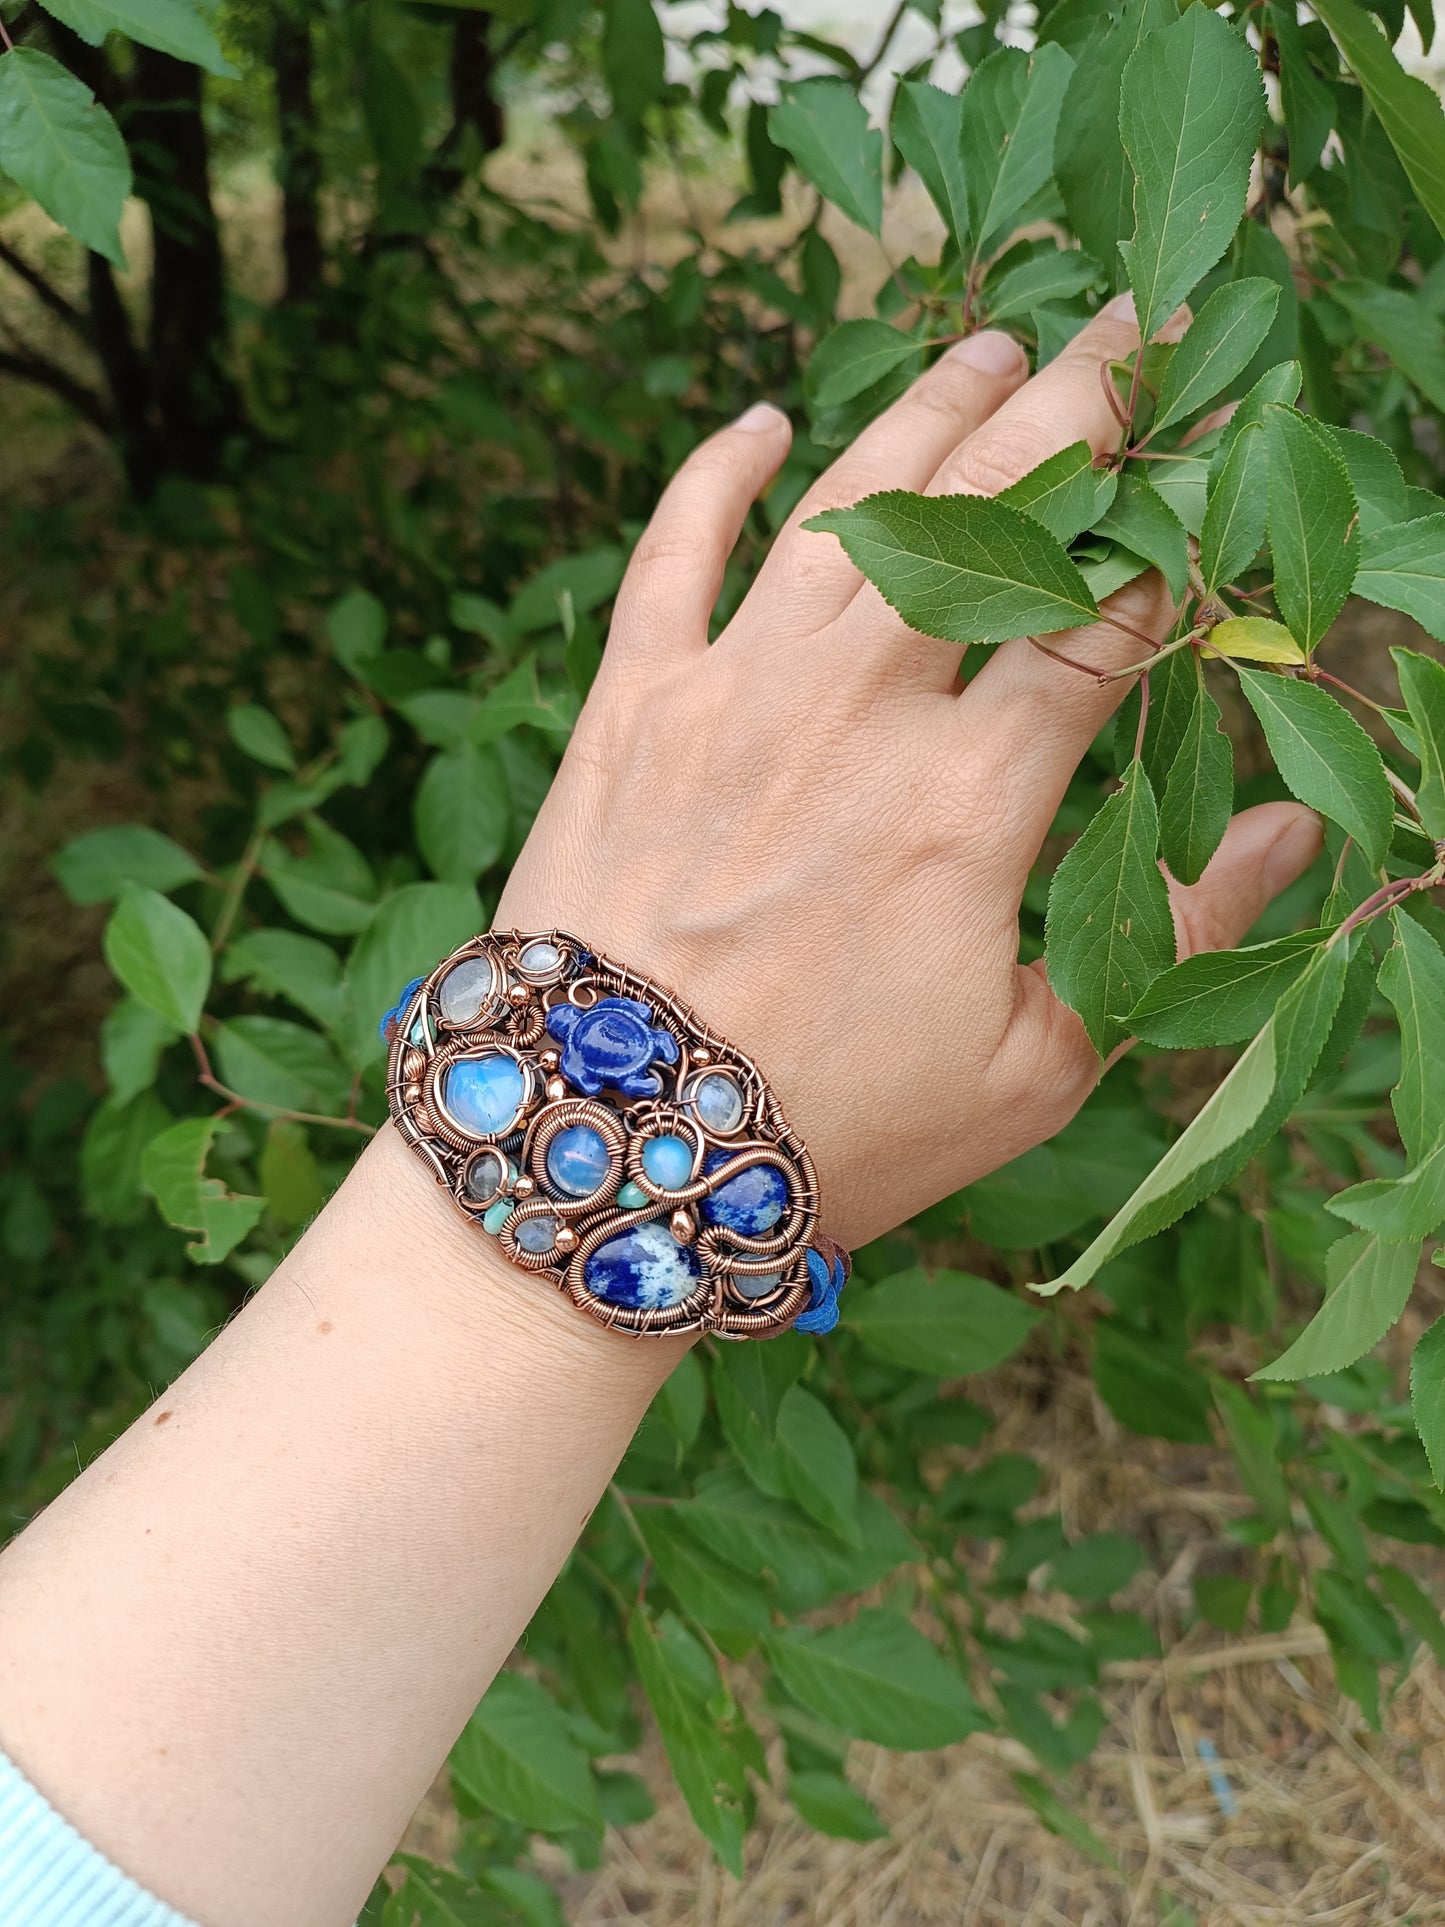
(609, 1141)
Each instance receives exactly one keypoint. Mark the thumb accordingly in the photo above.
(1263, 851)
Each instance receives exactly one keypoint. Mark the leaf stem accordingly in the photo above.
(1323, 675)
(236, 889)
(234, 1101)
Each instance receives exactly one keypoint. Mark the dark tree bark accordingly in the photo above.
(195, 400)
(474, 75)
(127, 379)
(300, 168)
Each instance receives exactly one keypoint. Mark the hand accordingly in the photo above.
(812, 833)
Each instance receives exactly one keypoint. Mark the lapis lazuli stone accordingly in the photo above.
(644, 1269)
(577, 1161)
(536, 1234)
(718, 1102)
(667, 1161)
(751, 1203)
(484, 1094)
(614, 1042)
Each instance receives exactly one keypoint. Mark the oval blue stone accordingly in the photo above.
(577, 1160)
(484, 1093)
(667, 1161)
(644, 1269)
(537, 1234)
(750, 1203)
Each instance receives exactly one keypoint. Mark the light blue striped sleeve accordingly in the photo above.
(50, 1877)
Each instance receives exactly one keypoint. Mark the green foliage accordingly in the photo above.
(62, 148)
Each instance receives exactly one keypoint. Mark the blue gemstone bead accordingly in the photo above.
(577, 1160)
(484, 1093)
(537, 1234)
(644, 1269)
(750, 1203)
(718, 1102)
(667, 1161)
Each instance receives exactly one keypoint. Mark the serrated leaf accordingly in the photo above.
(1307, 103)
(1409, 1207)
(1190, 111)
(257, 734)
(1010, 111)
(682, 1684)
(1376, 478)
(708, 1591)
(1057, 275)
(1221, 996)
(160, 955)
(1095, 179)
(1325, 757)
(516, 1758)
(1404, 568)
(94, 868)
(965, 568)
(816, 1464)
(1065, 492)
(1314, 528)
(173, 26)
(1109, 930)
(824, 126)
(1404, 326)
(173, 1168)
(461, 812)
(855, 355)
(283, 963)
(273, 1062)
(950, 1325)
(60, 146)
(1427, 1396)
(1407, 109)
(1412, 976)
(1218, 345)
(1254, 639)
(1368, 1281)
(1245, 1111)
(1198, 798)
(1142, 521)
(878, 1679)
(926, 129)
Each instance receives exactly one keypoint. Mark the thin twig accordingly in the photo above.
(281, 1113)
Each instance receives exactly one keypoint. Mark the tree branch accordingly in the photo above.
(51, 296)
(42, 373)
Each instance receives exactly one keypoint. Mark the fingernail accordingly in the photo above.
(1293, 851)
(761, 419)
(1122, 308)
(991, 353)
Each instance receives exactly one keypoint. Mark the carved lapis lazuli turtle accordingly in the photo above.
(613, 1043)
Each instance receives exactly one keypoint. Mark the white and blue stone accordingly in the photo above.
(644, 1269)
(750, 1203)
(577, 1161)
(483, 1094)
(718, 1102)
(536, 1235)
(667, 1160)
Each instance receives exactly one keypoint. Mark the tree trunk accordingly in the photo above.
(474, 73)
(126, 379)
(195, 400)
(300, 168)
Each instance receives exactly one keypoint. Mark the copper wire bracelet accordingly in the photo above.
(609, 1141)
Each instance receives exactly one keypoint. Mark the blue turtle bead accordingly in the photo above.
(750, 1203)
(614, 1042)
(644, 1269)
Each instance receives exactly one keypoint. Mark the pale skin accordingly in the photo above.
(236, 1650)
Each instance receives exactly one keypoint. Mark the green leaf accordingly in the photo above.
(60, 146)
(1245, 1111)
(1404, 326)
(1056, 275)
(1427, 1396)
(855, 355)
(949, 1326)
(1143, 522)
(257, 734)
(1198, 798)
(110, 1155)
(926, 130)
(132, 1039)
(279, 1064)
(1307, 103)
(1413, 978)
(1368, 1283)
(289, 1174)
(1249, 1426)
(1404, 568)
(1150, 1386)
(1378, 483)
(1065, 493)
(877, 1679)
(1325, 757)
(1407, 109)
(1221, 996)
(1422, 683)
(707, 1590)
(1190, 112)
(420, 923)
(173, 1168)
(1254, 639)
(356, 626)
(1218, 345)
(1060, 1818)
(1109, 930)
(1314, 528)
(815, 1461)
(824, 126)
(765, 1536)
(1409, 1207)
(826, 1803)
(633, 56)
(682, 1687)
(516, 1759)
(95, 867)
(1097, 1566)
(590, 579)
(160, 955)
(330, 889)
(761, 1375)
(1010, 111)
(965, 568)
(461, 812)
(171, 25)
(1415, 1607)
(283, 963)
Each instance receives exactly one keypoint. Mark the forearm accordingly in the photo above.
(236, 1650)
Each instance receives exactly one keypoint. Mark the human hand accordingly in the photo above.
(812, 833)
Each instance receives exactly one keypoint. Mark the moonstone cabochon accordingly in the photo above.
(644, 1269)
(577, 1161)
(484, 1093)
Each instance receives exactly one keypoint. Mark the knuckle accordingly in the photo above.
(995, 458)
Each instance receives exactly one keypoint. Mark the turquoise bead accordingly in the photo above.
(485, 1093)
(577, 1161)
(632, 1197)
(496, 1215)
(667, 1161)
